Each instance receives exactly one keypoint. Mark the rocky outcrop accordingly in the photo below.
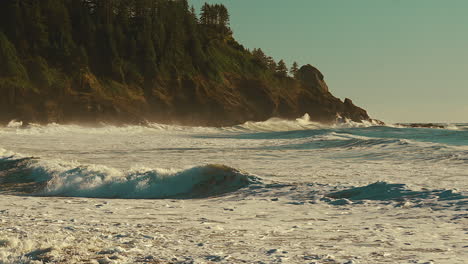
(320, 104)
(312, 78)
(354, 112)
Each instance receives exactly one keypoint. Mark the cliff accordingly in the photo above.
(189, 101)
(82, 63)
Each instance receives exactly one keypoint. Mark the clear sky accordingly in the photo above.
(401, 60)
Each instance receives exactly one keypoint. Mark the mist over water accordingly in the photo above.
(341, 163)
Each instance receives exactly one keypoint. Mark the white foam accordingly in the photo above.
(272, 124)
(453, 127)
(278, 124)
(302, 123)
(14, 124)
(224, 230)
(101, 181)
(270, 225)
(348, 123)
(17, 127)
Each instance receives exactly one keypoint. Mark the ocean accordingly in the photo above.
(372, 174)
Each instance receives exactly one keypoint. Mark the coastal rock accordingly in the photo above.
(312, 78)
(421, 125)
(354, 112)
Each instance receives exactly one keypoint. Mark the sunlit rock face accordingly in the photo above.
(312, 78)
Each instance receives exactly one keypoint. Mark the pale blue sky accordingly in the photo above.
(402, 60)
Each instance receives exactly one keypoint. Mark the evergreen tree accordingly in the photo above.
(205, 14)
(216, 16)
(294, 69)
(40, 72)
(223, 16)
(148, 56)
(193, 13)
(36, 33)
(59, 28)
(281, 69)
(260, 57)
(271, 64)
(10, 65)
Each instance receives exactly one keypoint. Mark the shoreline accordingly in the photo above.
(147, 123)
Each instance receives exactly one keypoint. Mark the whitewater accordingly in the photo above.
(279, 191)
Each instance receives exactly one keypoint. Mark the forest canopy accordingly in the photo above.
(126, 41)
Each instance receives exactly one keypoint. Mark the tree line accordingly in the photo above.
(216, 14)
(280, 68)
(47, 42)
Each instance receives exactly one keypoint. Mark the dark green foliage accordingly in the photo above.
(10, 65)
(57, 22)
(282, 69)
(294, 69)
(35, 29)
(271, 64)
(39, 72)
(216, 16)
(260, 57)
(48, 43)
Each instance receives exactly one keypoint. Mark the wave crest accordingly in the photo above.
(70, 179)
(302, 123)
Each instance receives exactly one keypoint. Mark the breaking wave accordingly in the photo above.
(272, 124)
(302, 123)
(29, 175)
(34, 176)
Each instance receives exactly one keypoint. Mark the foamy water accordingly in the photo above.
(275, 150)
(347, 166)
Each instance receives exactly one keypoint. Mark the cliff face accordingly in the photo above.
(188, 101)
(237, 99)
(312, 78)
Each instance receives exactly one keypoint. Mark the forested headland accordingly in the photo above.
(127, 61)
